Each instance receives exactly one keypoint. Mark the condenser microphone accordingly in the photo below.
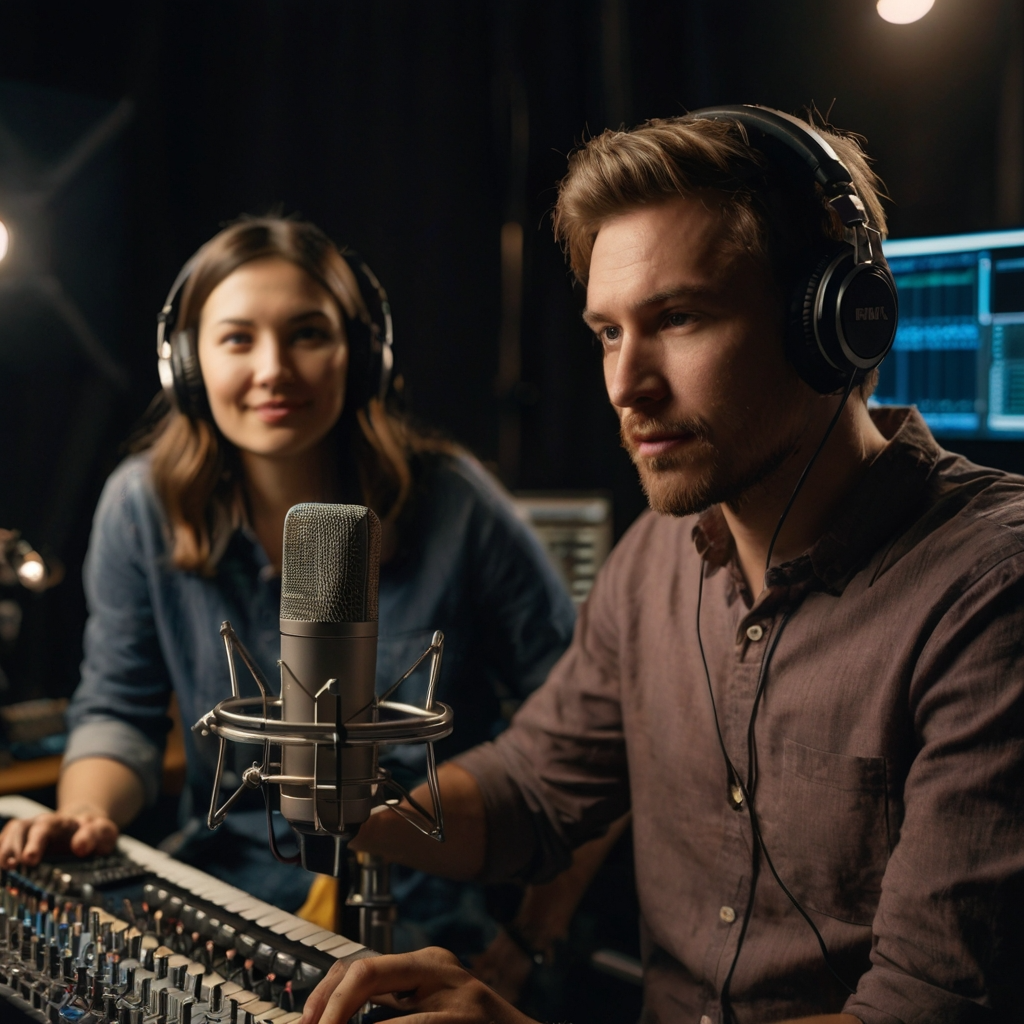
(329, 581)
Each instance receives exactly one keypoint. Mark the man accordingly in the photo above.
(867, 689)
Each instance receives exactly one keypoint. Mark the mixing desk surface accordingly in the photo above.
(140, 938)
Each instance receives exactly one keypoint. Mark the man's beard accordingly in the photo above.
(683, 483)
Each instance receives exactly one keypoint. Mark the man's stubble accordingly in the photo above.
(701, 475)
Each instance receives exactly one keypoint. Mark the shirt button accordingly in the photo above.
(755, 632)
(727, 914)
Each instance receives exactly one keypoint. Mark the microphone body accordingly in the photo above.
(329, 588)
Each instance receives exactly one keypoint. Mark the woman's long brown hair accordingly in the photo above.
(197, 472)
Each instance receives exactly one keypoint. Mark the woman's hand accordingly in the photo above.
(83, 831)
(429, 984)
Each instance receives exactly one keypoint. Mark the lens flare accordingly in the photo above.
(903, 12)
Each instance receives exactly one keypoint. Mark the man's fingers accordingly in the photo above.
(377, 978)
(318, 997)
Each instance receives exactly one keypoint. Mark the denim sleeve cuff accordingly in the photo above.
(512, 845)
(118, 741)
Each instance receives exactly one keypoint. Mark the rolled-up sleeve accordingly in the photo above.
(119, 710)
(948, 943)
(558, 775)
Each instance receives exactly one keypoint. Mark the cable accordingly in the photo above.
(735, 780)
(803, 475)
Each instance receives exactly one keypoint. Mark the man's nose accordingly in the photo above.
(633, 373)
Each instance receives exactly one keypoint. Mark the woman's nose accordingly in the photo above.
(271, 362)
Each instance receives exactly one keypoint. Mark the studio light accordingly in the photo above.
(5, 239)
(903, 12)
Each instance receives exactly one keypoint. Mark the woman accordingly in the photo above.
(277, 361)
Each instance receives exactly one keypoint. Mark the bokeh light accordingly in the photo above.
(903, 12)
(5, 239)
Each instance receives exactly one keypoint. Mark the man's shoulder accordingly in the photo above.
(655, 546)
(974, 516)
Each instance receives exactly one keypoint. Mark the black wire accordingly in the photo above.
(735, 779)
(803, 475)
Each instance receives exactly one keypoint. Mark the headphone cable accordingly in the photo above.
(735, 780)
(804, 474)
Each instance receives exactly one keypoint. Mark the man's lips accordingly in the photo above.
(651, 445)
(276, 412)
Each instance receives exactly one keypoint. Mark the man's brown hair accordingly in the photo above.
(773, 210)
(772, 207)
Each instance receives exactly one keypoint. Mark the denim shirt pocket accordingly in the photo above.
(836, 845)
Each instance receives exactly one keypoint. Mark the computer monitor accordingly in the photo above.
(959, 349)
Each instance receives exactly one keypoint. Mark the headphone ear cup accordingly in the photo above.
(359, 389)
(189, 389)
(803, 348)
(842, 320)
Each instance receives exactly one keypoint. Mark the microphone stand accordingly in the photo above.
(371, 903)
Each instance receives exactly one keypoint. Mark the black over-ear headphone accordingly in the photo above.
(843, 309)
(371, 357)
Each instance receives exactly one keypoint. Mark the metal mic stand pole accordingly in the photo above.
(370, 897)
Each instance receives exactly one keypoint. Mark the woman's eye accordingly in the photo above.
(237, 339)
(313, 335)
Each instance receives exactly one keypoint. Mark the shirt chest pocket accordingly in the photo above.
(835, 844)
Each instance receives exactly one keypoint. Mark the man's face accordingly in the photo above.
(693, 357)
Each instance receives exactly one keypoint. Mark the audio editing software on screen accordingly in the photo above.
(959, 350)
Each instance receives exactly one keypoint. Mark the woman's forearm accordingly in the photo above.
(102, 786)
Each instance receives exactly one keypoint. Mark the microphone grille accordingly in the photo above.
(331, 563)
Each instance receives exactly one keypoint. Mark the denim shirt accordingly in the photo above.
(467, 566)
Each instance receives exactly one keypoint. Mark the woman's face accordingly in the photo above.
(274, 357)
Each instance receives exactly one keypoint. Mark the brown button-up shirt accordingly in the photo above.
(889, 744)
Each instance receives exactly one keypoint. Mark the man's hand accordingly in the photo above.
(83, 831)
(504, 966)
(430, 984)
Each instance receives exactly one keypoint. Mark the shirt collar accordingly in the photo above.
(887, 497)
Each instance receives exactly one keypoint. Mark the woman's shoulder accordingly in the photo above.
(129, 494)
(456, 479)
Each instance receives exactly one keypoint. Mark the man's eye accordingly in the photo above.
(610, 334)
(679, 319)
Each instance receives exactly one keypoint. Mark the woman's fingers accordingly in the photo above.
(27, 840)
(12, 840)
(93, 835)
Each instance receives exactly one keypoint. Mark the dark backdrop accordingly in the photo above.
(413, 132)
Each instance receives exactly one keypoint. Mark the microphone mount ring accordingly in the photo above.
(233, 720)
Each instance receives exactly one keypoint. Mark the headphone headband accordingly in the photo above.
(813, 149)
(843, 310)
(370, 342)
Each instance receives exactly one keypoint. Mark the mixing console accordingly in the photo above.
(139, 938)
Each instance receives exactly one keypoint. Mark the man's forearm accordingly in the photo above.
(462, 854)
(826, 1018)
(546, 911)
(100, 785)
